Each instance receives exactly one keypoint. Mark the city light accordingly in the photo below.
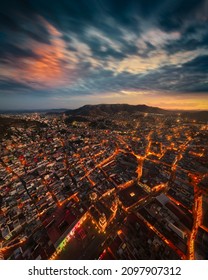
(116, 185)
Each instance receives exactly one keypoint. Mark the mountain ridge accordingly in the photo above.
(105, 109)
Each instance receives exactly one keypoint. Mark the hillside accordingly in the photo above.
(111, 109)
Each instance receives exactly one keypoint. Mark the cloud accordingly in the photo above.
(86, 48)
(189, 77)
(9, 52)
(11, 85)
(175, 14)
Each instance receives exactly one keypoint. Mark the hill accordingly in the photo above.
(103, 110)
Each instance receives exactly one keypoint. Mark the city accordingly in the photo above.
(104, 131)
(118, 186)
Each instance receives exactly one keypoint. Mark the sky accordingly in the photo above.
(68, 53)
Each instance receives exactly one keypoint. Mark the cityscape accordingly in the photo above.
(104, 130)
(123, 186)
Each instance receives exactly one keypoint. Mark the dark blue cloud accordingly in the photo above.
(199, 64)
(194, 37)
(11, 85)
(175, 14)
(9, 52)
(74, 18)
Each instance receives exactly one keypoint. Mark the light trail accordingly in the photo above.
(197, 215)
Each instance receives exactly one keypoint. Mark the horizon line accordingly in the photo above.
(74, 108)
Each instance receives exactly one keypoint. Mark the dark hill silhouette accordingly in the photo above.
(111, 109)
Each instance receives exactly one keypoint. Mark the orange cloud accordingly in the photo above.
(50, 69)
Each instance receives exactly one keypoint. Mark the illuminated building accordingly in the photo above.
(103, 221)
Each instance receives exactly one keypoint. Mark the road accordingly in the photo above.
(197, 215)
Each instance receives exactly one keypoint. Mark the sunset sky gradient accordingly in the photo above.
(66, 53)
